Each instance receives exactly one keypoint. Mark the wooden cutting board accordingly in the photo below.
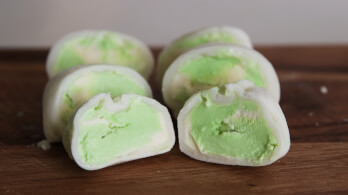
(317, 161)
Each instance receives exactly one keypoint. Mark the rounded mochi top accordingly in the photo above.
(215, 34)
(99, 47)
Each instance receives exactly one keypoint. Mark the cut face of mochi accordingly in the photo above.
(223, 34)
(105, 132)
(68, 90)
(214, 65)
(99, 47)
(234, 124)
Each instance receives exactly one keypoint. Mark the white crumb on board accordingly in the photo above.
(316, 124)
(44, 145)
(310, 113)
(323, 89)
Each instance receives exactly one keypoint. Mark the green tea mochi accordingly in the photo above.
(214, 65)
(234, 124)
(106, 131)
(99, 47)
(215, 34)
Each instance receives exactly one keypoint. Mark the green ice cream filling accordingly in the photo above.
(207, 71)
(100, 48)
(192, 41)
(106, 135)
(236, 130)
(92, 83)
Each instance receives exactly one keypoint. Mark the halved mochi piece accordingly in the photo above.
(213, 65)
(214, 34)
(105, 132)
(234, 124)
(99, 47)
(68, 90)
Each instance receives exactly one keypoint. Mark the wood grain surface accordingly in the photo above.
(316, 163)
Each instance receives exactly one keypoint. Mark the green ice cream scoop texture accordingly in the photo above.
(214, 70)
(100, 47)
(235, 130)
(118, 133)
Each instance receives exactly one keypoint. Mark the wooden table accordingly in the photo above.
(317, 161)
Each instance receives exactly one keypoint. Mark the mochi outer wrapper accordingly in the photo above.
(267, 71)
(244, 89)
(163, 62)
(54, 51)
(56, 87)
(120, 103)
